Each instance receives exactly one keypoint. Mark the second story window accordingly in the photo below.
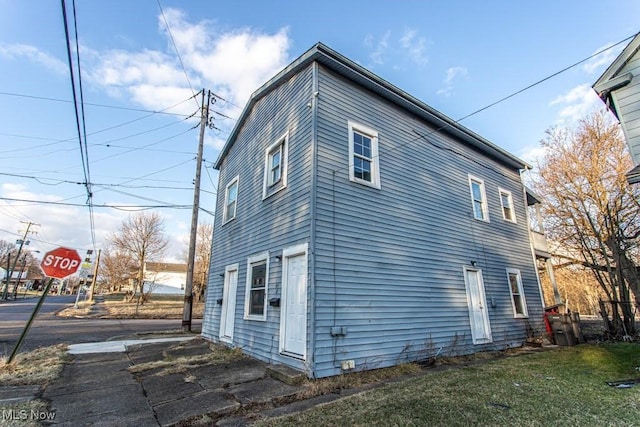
(363, 155)
(478, 199)
(506, 202)
(275, 167)
(230, 200)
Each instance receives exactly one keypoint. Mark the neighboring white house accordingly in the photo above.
(165, 278)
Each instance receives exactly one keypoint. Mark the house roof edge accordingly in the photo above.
(355, 72)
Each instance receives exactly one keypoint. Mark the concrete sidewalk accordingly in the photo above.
(99, 389)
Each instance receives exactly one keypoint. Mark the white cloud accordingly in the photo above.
(33, 54)
(576, 103)
(532, 154)
(380, 48)
(60, 225)
(415, 46)
(604, 59)
(452, 74)
(232, 64)
(214, 141)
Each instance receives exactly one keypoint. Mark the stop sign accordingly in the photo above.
(60, 263)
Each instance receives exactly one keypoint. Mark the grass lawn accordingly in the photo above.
(116, 306)
(560, 387)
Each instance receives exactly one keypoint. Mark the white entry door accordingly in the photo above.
(293, 323)
(227, 317)
(478, 313)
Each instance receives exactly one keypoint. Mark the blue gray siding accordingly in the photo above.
(627, 102)
(279, 221)
(389, 262)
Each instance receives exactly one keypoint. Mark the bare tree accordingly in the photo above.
(592, 212)
(141, 236)
(203, 258)
(204, 237)
(117, 268)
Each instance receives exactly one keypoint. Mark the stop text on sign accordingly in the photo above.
(59, 262)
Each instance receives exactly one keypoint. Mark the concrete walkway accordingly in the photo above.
(99, 389)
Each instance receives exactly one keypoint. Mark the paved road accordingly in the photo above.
(49, 329)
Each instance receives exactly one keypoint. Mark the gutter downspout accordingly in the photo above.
(312, 238)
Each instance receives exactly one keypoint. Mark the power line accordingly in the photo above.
(59, 141)
(73, 89)
(449, 123)
(95, 184)
(144, 146)
(546, 78)
(104, 143)
(175, 47)
(93, 104)
(121, 207)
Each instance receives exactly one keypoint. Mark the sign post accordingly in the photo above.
(56, 264)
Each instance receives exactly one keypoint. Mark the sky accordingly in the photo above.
(143, 62)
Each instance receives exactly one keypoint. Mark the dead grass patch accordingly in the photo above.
(170, 365)
(157, 308)
(355, 379)
(37, 367)
(84, 309)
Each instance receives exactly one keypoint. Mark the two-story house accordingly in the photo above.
(356, 228)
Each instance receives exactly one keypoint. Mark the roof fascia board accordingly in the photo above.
(346, 67)
(622, 59)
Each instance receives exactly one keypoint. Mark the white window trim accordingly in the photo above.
(226, 196)
(375, 157)
(485, 204)
(517, 315)
(507, 193)
(247, 300)
(284, 167)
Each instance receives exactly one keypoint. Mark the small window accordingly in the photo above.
(275, 167)
(363, 155)
(478, 199)
(230, 200)
(256, 293)
(517, 293)
(507, 205)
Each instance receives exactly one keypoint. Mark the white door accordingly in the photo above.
(227, 317)
(293, 323)
(478, 314)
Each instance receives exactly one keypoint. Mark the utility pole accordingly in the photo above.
(15, 261)
(95, 276)
(188, 288)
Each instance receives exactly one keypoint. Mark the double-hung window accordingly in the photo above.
(255, 307)
(478, 199)
(364, 165)
(230, 200)
(517, 293)
(275, 167)
(507, 205)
